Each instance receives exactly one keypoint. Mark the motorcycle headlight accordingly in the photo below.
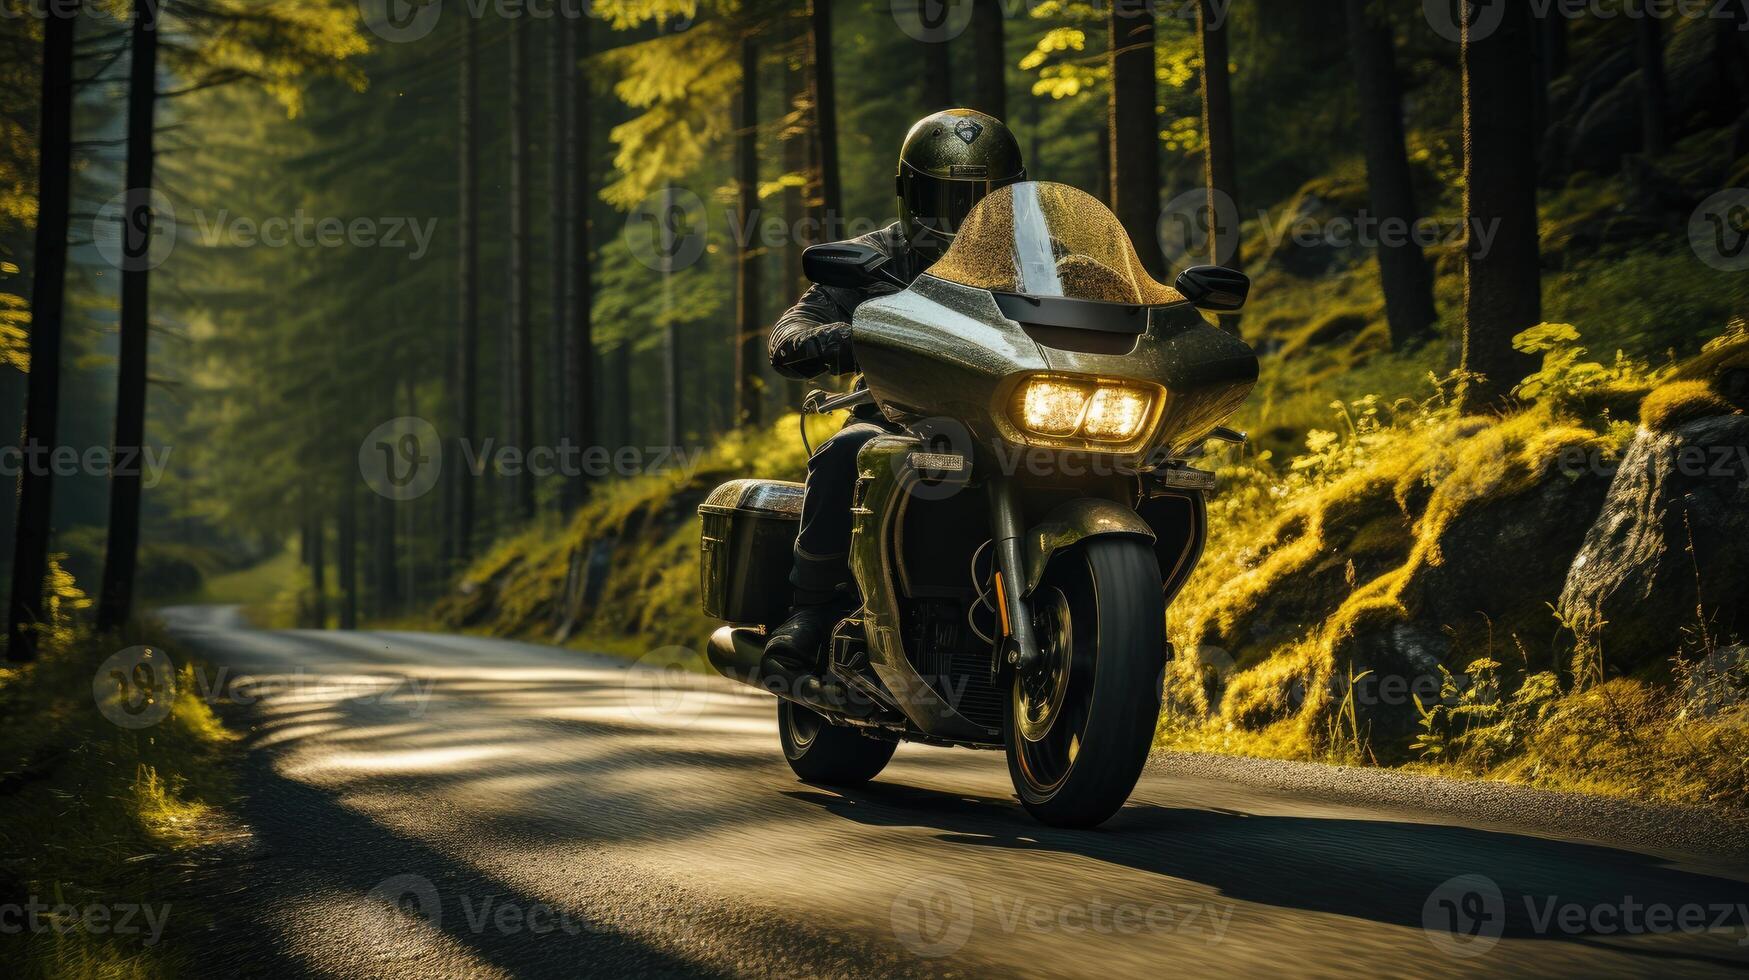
(1094, 409)
(1052, 408)
(1116, 414)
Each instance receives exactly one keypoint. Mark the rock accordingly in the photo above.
(1502, 561)
(1305, 248)
(1673, 536)
(1505, 561)
(1605, 115)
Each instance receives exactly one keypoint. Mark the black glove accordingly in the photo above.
(826, 350)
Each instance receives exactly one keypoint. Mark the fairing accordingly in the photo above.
(944, 348)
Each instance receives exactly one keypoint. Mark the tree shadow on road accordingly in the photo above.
(358, 898)
(1460, 881)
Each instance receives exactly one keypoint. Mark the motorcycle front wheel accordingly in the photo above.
(1079, 729)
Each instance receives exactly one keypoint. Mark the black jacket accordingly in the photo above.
(813, 338)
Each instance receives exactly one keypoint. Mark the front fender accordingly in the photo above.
(1076, 521)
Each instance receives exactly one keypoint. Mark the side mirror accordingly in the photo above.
(846, 265)
(1211, 287)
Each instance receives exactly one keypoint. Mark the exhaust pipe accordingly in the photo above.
(738, 653)
(735, 652)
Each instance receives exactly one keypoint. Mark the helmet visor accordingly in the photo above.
(940, 204)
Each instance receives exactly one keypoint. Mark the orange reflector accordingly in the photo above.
(1001, 604)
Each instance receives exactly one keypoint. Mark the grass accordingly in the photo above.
(641, 538)
(1316, 569)
(268, 592)
(97, 816)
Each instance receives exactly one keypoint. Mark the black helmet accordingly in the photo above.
(949, 162)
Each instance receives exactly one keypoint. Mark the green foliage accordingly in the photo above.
(99, 814)
(647, 527)
(1670, 406)
(1562, 375)
(1473, 723)
(682, 82)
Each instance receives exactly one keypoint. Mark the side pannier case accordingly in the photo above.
(748, 530)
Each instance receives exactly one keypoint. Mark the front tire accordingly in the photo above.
(821, 752)
(1076, 746)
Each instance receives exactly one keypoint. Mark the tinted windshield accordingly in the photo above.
(1044, 239)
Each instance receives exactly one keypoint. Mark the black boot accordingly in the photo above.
(797, 645)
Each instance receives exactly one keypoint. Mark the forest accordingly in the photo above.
(448, 316)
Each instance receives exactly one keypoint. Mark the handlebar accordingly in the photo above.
(820, 403)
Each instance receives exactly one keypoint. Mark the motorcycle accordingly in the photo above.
(1018, 542)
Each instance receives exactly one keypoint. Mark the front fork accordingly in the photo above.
(1019, 645)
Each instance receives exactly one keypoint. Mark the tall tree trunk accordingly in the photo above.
(579, 300)
(316, 530)
(1101, 162)
(1554, 42)
(1502, 276)
(1403, 272)
(1649, 53)
(989, 59)
(467, 374)
(937, 74)
(556, 418)
(521, 393)
(1551, 60)
(1730, 65)
(123, 544)
(1135, 141)
(826, 121)
(408, 513)
(622, 393)
(30, 546)
(346, 549)
(671, 376)
(388, 579)
(749, 331)
(1220, 166)
(795, 161)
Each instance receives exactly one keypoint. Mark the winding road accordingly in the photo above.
(423, 805)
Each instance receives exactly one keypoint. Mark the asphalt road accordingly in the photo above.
(429, 805)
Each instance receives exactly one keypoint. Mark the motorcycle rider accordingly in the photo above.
(950, 160)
